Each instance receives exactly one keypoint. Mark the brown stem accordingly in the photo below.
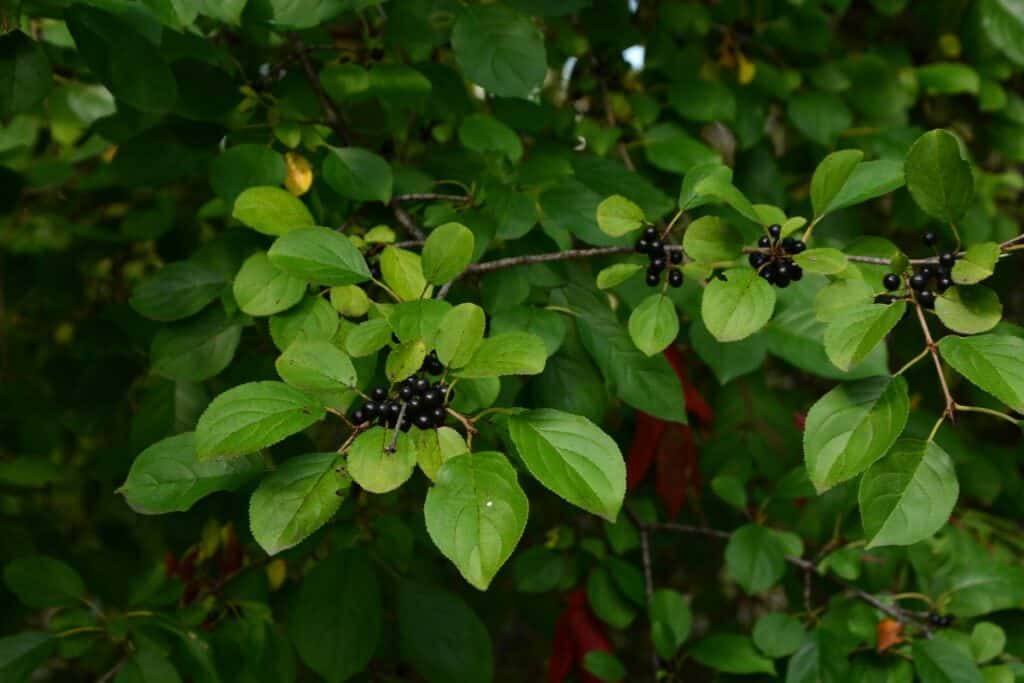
(407, 222)
(567, 255)
(393, 446)
(934, 351)
(430, 196)
(326, 103)
(645, 554)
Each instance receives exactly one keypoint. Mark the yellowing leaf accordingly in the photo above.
(299, 176)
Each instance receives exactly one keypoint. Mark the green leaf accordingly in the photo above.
(319, 255)
(499, 49)
(604, 665)
(700, 100)
(23, 653)
(731, 490)
(441, 637)
(195, 349)
(607, 601)
(728, 360)
(969, 310)
(868, 180)
(833, 299)
(42, 582)
(261, 288)
(484, 133)
(349, 300)
(374, 467)
(243, 166)
(939, 661)
(821, 116)
(358, 174)
(977, 263)
(271, 210)
(316, 366)
(405, 360)
(948, 78)
(342, 81)
(168, 476)
(418, 320)
(476, 513)
(755, 558)
(435, 447)
(738, 306)
(460, 334)
(826, 261)
(985, 586)
(312, 320)
(778, 635)
(731, 654)
(571, 456)
(908, 495)
(709, 240)
(253, 416)
(615, 274)
(671, 621)
(990, 361)
(670, 148)
(403, 272)
(987, 641)
(855, 331)
(25, 77)
(509, 353)
(654, 324)
(122, 58)
(617, 216)
(368, 337)
(447, 252)
(938, 177)
(830, 176)
(177, 291)
(335, 622)
(295, 500)
(1003, 25)
(852, 426)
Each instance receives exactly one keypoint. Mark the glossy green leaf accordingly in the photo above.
(374, 466)
(314, 319)
(731, 654)
(484, 133)
(939, 661)
(992, 362)
(405, 360)
(196, 349)
(403, 273)
(709, 239)
(368, 337)
(737, 307)
(271, 210)
(22, 653)
(778, 635)
(830, 176)
(755, 558)
(614, 275)
(1003, 22)
(252, 416)
(671, 621)
(169, 477)
(969, 310)
(854, 332)
(319, 255)
(177, 291)
(572, 457)
(460, 334)
(25, 77)
(40, 581)
(654, 324)
(296, 499)
(618, 216)
(447, 252)
(908, 495)
(261, 288)
(499, 49)
(825, 260)
(476, 513)
(358, 174)
(977, 263)
(852, 426)
(316, 366)
(509, 353)
(870, 179)
(938, 177)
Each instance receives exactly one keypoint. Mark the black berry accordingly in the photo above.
(405, 392)
(927, 272)
(795, 272)
(676, 257)
(675, 278)
(775, 230)
(642, 246)
(650, 234)
(944, 283)
(918, 281)
(891, 281)
(423, 421)
(756, 259)
(653, 279)
(781, 281)
(947, 259)
(798, 247)
(764, 242)
(358, 417)
(655, 246)
(926, 298)
(370, 409)
(379, 393)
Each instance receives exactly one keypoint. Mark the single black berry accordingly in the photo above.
(756, 259)
(434, 366)
(406, 425)
(423, 421)
(927, 272)
(781, 281)
(675, 278)
(421, 385)
(658, 264)
(944, 283)
(653, 279)
(358, 417)
(642, 246)
(768, 272)
(650, 234)
(405, 392)
(379, 393)
(798, 247)
(655, 247)
(764, 242)
(930, 239)
(795, 272)
(918, 281)
(431, 397)
(926, 298)
(947, 259)
(891, 281)
(393, 409)
(370, 409)
(943, 271)
(787, 243)
(782, 270)
(676, 257)
(775, 230)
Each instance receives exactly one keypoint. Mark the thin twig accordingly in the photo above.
(407, 222)
(934, 351)
(430, 196)
(326, 103)
(567, 255)
(393, 446)
(645, 554)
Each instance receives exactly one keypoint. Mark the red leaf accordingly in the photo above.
(695, 403)
(676, 459)
(800, 420)
(577, 632)
(563, 651)
(641, 454)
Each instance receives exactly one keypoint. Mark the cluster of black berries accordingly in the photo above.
(424, 405)
(940, 620)
(923, 276)
(774, 261)
(660, 257)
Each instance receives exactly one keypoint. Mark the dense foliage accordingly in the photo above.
(459, 341)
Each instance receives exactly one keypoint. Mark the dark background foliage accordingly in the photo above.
(130, 128)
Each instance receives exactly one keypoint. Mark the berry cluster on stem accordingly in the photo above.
(660, 259)
(416, 401)
(774, 258)
(927, 281)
